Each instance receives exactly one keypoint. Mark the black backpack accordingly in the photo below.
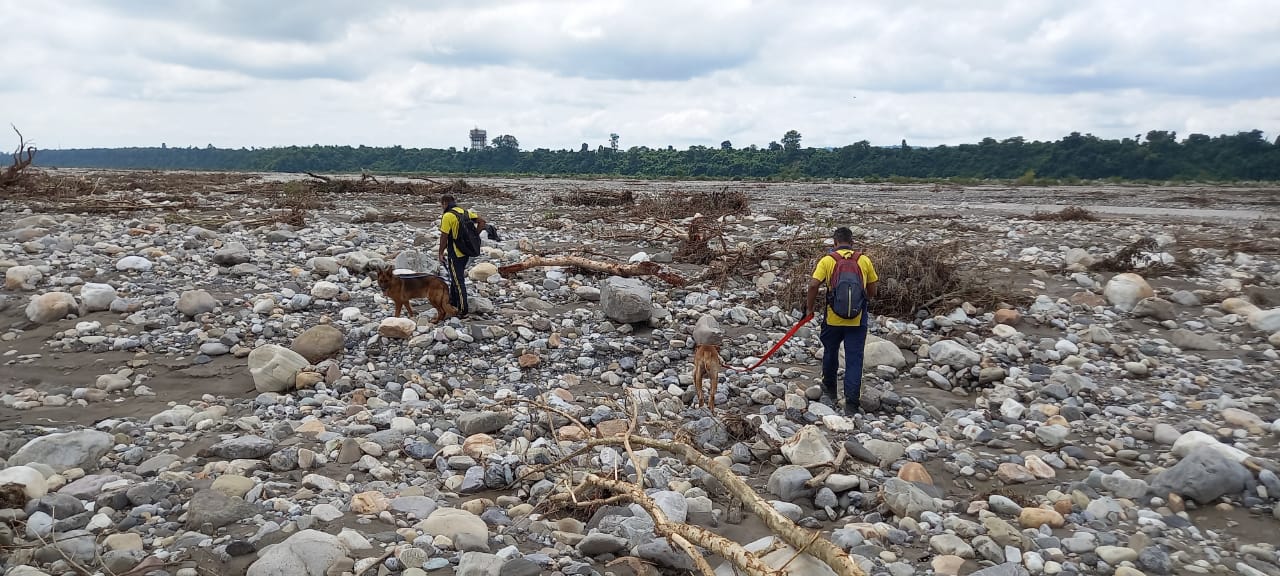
(468, 238)
(846, 295)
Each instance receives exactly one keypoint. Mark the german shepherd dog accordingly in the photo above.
(403, 288)
(706, 363)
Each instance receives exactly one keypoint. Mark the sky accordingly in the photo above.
(556, 74)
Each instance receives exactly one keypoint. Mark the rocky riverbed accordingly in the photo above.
(189, 389)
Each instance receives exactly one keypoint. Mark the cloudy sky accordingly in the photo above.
(79, 73)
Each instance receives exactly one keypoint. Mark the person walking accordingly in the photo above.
(851, 281)
(459, 241)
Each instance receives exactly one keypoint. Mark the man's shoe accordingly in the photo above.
(829, 400)
(852, 408)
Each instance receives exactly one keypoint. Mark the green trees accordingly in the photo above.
(1157, 155)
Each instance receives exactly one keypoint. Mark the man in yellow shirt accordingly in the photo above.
(847, 328)
(451, 253)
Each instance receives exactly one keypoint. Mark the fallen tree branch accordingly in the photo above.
(319, 177)
(821, 479)
(682, 535)
(796, 536)
(13, 173)
(613, 268)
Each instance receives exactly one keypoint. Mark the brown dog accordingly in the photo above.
(402, 289)
(706, 363)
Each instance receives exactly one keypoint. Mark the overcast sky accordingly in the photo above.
(555, 74)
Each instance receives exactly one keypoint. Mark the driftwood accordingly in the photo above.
(797, 537)
(13, 173)
(614, 268)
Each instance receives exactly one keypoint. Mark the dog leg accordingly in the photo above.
(410, 308)
(697, 386)
(715, 383)
(397, 314)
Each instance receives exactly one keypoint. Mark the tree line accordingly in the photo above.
(1159, 156)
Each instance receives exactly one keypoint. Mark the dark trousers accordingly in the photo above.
(854, 339)
(457, 266)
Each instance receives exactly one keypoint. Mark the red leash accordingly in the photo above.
(777, 346)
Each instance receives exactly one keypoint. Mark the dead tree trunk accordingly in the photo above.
(13, 173)
(614, 268)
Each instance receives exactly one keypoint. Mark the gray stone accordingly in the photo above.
(1188, 340)
(660, 552)
(1204, 475)
(274, 367)
(95, 297)
(1154, 308)
(64, 450)
(626, 300)
(1006, 569)
(950, 544)
(231, 254)
(216, 509)
(808, 447)
(479, 564)
(787, 483)
(51, 307)
(520, 567)
(1053, 435)
(673, 504)
(318, 343)
(196, 302)
(419, 506)
(307, 553)
(482, 422)
(1185, 298)
(248, 447)
(598, 543)
(886, 452)
(708, 331)
(79, 545)
(953, 354)
(906, 500)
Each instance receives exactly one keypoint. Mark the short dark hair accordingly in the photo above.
(843, 234)
(447, 199)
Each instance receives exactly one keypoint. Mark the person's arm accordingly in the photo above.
(444, 237)
(811, 299)
(873, 290)
(480, 224)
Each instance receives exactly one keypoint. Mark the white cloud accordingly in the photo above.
(559, 72)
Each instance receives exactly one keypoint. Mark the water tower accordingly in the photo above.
(479, 138)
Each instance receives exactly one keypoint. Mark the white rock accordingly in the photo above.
(1189, 441)
(482, 271)
(401, 328)
(51, 307)
(133, 264)
(953, 354)
(881, 352)
(809, 446)
(1125, 290)
(274, 367)
(307, 553)
(325, 290)
(22, 278)
(97, 297)
(1265, 320)
(30, 480)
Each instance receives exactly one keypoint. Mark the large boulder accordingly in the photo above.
(196, 302)
(1124, 291)
(307, 553)
(708, 331)
(22, 278)
(319, 342)
(401, 328)
(953, 354)
(65, 450)
(1204, 475)
(274, 367)
(1265, 320)
(29, 480)
(216, 509)
(808, 447)
(450, 522)
(1157, 308)
(95, 297)
(881, 352)
(482, 272)
(231, 254)
(906, 500)
(626, 300)
(51, 307)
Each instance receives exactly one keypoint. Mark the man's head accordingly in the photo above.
(447, 200)
(842, 236)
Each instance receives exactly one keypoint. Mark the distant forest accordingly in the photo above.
(1159, 156)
